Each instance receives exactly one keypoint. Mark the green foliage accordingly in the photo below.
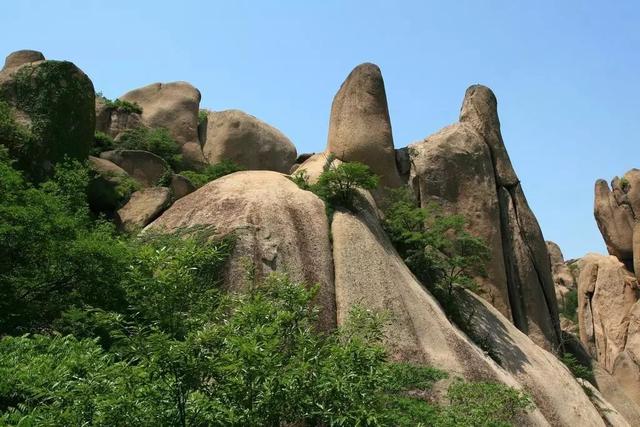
(435, 246)
(578, 369)
(158, 141)
(211, 172)
(570, 307)
(624, 184)
(12, 135)
(484, 404)
(138, 331)
(337, 185)
(123, 106)
(301, 179)
(101, 143)
(52, 254)
(60, 104)
(202, 117)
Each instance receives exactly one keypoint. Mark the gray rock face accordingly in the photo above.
(360, 127)
(485, 189)
(251, 143)
(143, 207)
(60, 98)
(143, 166)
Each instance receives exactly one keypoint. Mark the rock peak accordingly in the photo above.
(21, 57)
(360, 127)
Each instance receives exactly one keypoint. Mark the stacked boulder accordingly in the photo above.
(564, 276)
(609, 319)
(465, 168)
(360, 127)
(53, 101)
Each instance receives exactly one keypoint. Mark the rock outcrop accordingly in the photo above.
(180, 186)
(609, 319)
(143, 207)
(419, 331)
(105, 188)
(21, 57)
(145, 167)
(360, 127)
(277, 226)
(617, 212)
(175, 107)
(54, 102)
(486, 190)
(251, 143)
(114, 121)
(563, 278)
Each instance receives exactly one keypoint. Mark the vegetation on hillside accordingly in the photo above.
(103, 329)
(211, 172)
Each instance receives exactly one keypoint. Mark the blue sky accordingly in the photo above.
(565, 73)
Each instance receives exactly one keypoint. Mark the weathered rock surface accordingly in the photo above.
(103, 191)
(485, 189)
(562, 277)
(278, 227)
(611, 390)
(609, 319)
(54, 101)
(180, 186)
(315, 165)
(360, 127)
(615, 221)
(470, 191)
(173, 106)
(145, 167)
(143, 207)
(419, 331)
(113, 121)
(251, 143)
(21, 57)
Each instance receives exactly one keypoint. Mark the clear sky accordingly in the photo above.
(566, 73)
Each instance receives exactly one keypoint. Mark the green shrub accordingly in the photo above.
(578, 369)
(211, 172)
(202, 117)
(101, 143)
(120, 105)
(158, 141)
(337, 185)
(484, 404)
(624, 184)
(436, 247)
(570, 307)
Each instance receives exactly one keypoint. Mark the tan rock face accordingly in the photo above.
(21, 57)
(249, 142)
(470, 191)
(608, 311)
(143, 207)
(180, 187)
(143, 166)
(114, 122)
(278, 227)
(360, 127)
(485, 189)
(615, 221)
(173, 106)
(562, 277)
(419, 331)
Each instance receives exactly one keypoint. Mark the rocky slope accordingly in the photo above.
(514, 336)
